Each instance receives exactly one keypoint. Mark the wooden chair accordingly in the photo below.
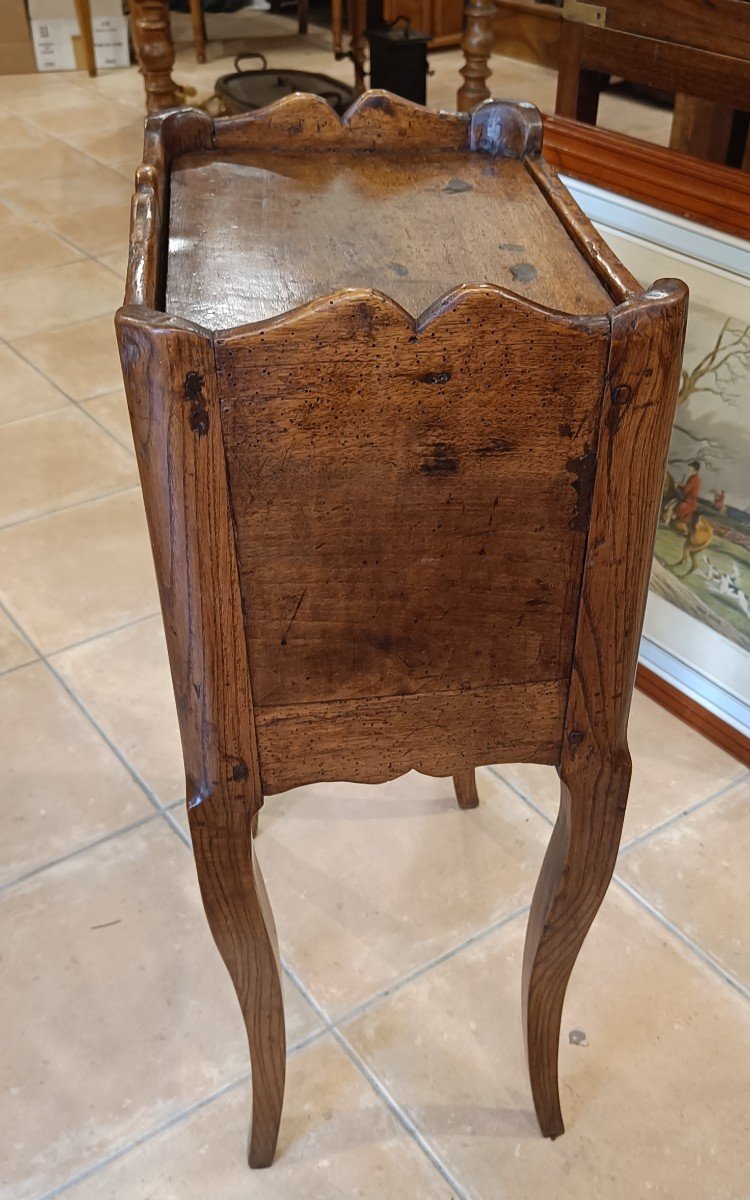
(701, 51)
(198, 20)
(392, 531)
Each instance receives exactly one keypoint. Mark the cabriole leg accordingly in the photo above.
(240, 918)
(575, 874)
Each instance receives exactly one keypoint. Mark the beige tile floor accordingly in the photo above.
(401, 919)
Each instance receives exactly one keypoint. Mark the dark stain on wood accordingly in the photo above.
(442, 462)
(436, 377)
(496, 445)
(621, 396)
(457, 185)
(198, 419)
(524, 272)
(583, 469)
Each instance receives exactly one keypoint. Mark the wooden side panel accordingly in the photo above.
(410, 504)
(170, 382)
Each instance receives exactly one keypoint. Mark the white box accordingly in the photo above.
(54, 25)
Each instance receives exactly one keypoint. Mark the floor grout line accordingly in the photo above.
(705, 957)
(118, 753)
(496, 771)
(79, 404)
(684, 812)
(78, 850)
(95, 637)
(403, 1117)
(172, 1122)
(437, 961)
(51, 512)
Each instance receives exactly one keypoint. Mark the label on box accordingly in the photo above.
(53, 43)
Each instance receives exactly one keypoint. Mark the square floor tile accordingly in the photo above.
(81, 572)
(121, 1013)
(43, 300)
(370, 883)
(654, 1069)
(85, 184)
(14, 649)
(123, 679)
(58, 459)
(82, 359)
(38, 158)
(84, 115)
(115, 144)
(97, 229)
(673, 767)
(63, 786)
(25, 393)
(25, 246)
(695, 872)
(111, 411)
(338, 1141)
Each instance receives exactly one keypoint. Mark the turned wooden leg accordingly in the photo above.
(83, 13)
(240, 918)
(303, 15)
(577, 868)
(356, 10)
(476, 44)
(466, 789)
(198, 20)
(152, 39)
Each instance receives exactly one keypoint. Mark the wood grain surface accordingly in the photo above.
(255, 234)
(594, 767)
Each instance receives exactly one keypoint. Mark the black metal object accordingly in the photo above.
(246, 90)
(398, 60)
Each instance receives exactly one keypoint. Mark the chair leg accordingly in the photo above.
(198, 20)
(83, 13)
(239, 914)
(466, 789)
(303, 15)
(575, 874)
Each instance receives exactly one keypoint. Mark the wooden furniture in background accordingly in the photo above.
(527, 31)
(682, 46)
(154, 49)
(402, 459)
(200, 37)
(83, 13)
(678, 183)
(443, 20)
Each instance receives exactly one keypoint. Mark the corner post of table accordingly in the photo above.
(476, 45)
(152, 41)
(640, 393)
(173, 397)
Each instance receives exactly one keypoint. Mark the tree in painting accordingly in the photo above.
(702, 554)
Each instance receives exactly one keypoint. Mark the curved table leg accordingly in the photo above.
(152, 39)
(239, 914)
(476, 44)
(577, 868)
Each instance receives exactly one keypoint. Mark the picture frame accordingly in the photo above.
(666, 214)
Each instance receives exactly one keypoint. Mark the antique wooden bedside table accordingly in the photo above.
(401, 421)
